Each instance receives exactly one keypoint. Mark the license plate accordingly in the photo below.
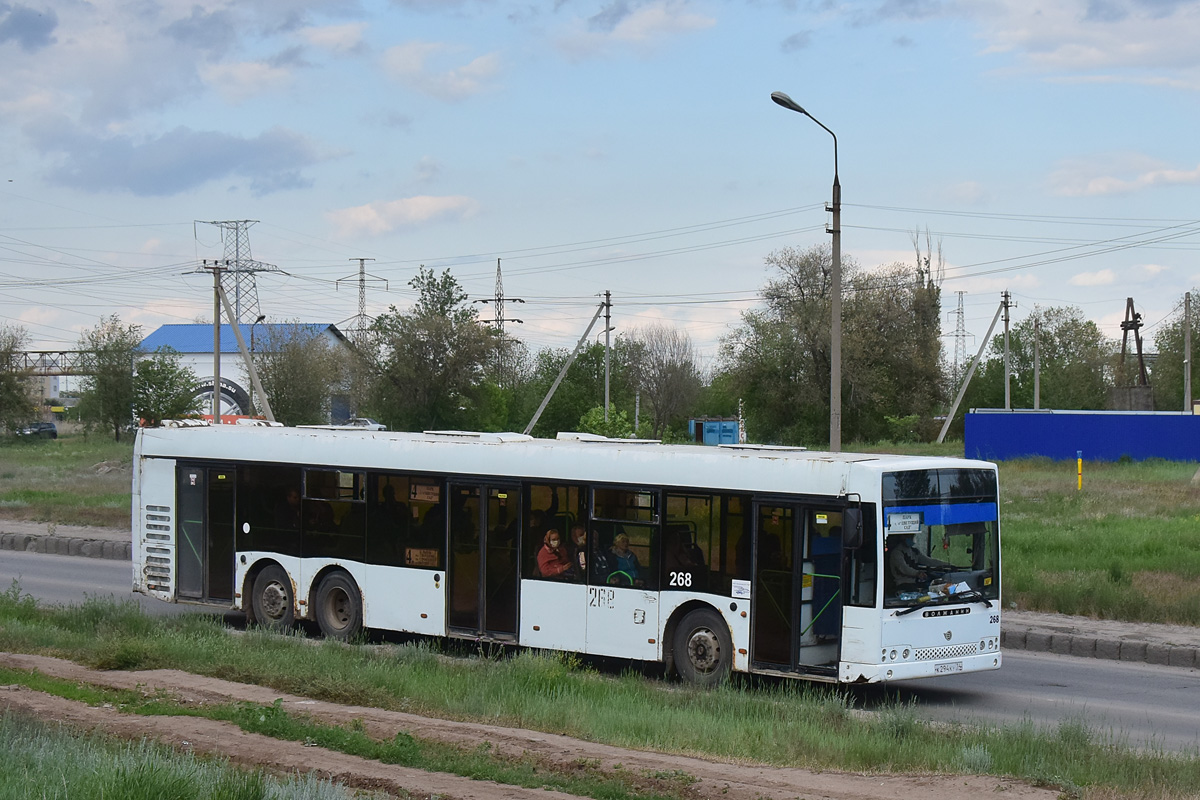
(948, 666)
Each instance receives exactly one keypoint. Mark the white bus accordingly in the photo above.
(741, 558)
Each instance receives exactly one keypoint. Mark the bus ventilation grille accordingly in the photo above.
(938, 653)
(157, 569)
(158, 523)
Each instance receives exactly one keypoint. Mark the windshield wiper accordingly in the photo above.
(943, 600)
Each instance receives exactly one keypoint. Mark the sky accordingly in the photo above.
(630, 146)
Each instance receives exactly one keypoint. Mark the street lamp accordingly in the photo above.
(835, 277)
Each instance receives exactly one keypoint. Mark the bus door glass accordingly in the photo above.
(797, 597)
(204, 549)
(482, 573)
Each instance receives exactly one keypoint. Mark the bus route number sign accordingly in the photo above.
(904, 522)
(601, 597)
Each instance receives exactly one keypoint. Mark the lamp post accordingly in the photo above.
(835, 277)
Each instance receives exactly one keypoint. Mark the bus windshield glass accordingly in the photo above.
(941, 537)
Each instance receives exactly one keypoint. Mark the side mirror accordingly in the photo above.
(852, 528)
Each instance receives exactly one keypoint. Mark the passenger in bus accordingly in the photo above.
(908, 566)
(626, 561)
(287, 511)
(579, 552)
(682, 556)
(552, 560)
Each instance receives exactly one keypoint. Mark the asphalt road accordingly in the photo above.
(1139, 704)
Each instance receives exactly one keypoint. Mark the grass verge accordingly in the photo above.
(72, 480)
(49, 762)
(789, 723)
(478, 763)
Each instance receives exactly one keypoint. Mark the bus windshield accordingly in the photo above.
(941, 537)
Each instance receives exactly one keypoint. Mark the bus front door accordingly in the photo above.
(797, 603)
(204, 545)
(482, 570)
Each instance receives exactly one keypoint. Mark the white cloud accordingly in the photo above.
(379, 218)
(346, 38)
(970, 193)
(1113, 174)
(1103, 277)
(241, 81)
(643, 28)
(409, 64)
(1072, 35)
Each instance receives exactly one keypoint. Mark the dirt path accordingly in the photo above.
(715, 780)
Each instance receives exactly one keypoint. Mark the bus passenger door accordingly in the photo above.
(204, 548)
(797, 602)
(482, 569)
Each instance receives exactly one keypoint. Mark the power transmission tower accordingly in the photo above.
(501, 343)
(238, 278)
(960, 340)
(357, 329)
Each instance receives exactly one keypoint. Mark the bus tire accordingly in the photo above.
(702, 648)
(273, 599)
(339, 607)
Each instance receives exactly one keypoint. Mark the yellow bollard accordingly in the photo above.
(1079, 468)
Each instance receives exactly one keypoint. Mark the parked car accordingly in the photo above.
(365, 423)
(42, 430)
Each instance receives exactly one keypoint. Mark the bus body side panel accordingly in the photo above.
(622, 622)
(860, 642)
(736, 617)
(553, 614)
(402, 599)
(155, 525)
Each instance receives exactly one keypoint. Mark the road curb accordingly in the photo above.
(66, 546)
(1087, 646)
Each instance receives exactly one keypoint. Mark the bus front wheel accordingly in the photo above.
(703, 649)
(339, 607)
(273, 600)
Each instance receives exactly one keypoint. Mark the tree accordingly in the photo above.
(163, 388)
(107, 355)
(1075, 358)
(662, 365)
(16, 403)
(430, 361)
(778, 358)
(1168, 367)
(618, 425)
(299, 372)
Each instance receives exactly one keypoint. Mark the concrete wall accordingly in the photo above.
(1101, 435)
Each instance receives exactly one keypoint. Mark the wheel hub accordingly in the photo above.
(704, 650)
(274, 599)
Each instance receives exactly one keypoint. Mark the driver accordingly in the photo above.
(908, 565)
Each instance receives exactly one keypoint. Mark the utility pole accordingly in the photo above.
(241, 267)
(361, 322)
(1005, 303)
(962, 390)
(216, 270)
(1037, 364)
(607, 349)
(1187, 352)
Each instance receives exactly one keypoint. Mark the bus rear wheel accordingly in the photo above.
(702, 648)
(339, 607)
(273, 600)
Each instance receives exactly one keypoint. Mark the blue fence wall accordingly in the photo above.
(1101, 435)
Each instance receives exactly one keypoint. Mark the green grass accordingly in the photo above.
(49, 762)
(786, 723)
(1122, 548)
(70, 480)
